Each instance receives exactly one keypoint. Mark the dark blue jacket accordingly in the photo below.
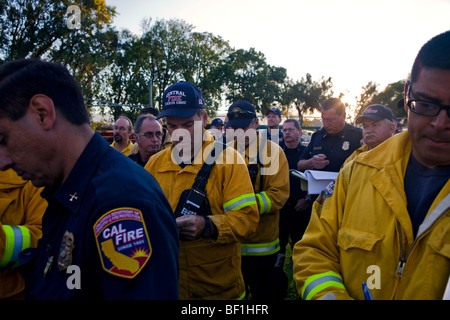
(336, 147)
(111, 221)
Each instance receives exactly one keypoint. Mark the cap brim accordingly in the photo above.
(239, 123)
(371, 117)
(274, 112)
(178, 112)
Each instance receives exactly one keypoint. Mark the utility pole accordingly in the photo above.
(150, 92)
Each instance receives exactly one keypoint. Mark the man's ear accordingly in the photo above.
(405, 96)
(44, 110)
(204, 120)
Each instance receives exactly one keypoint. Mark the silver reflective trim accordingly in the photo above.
(318, 282)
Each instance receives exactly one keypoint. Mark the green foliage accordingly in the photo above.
(307, 95)
(292, 293)
(388, 97)
(114, 68)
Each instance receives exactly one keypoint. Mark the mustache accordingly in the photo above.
(368, 135)
(437, 135)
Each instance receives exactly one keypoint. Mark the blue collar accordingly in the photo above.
(71, 192)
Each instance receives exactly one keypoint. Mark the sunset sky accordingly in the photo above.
(351, 41)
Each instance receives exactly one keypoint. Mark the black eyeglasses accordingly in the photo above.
(150, 134)
(426, 109)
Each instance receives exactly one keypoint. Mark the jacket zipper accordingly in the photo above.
(402, 259)
(433, 216)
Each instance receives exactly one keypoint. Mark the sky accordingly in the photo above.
(351, 41)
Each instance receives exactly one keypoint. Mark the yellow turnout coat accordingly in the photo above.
(364, 233)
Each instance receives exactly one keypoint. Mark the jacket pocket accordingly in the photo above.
(213, 270)
(435, 261)
(350, 237)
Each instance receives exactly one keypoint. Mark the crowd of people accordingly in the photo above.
(189, 213)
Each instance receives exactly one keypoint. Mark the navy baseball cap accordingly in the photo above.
(217, 122)
(274, 110)
(376, 112)
(240, 114)
(182, 100)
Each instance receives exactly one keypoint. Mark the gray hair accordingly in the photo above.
(140, 119)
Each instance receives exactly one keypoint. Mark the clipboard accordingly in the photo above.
(314, 181)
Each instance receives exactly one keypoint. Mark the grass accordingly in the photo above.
(292, 293)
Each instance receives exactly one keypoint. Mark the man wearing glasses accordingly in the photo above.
(148, 138)
(214, 212)
(387, 222)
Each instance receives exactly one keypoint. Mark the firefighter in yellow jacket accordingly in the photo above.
(21, 210)
(269, 171)
(387, 222)
(211, 221)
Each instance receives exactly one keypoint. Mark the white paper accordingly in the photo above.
(314, 181)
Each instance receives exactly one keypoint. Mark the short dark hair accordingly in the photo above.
(333, 103)
(149, 110)
(140, 119)
(20, 80)
(295, 122)
(433, 54)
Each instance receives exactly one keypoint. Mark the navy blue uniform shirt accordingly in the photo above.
(293, 156)
(336, 147)
(136, 157)
(108, 233)
(422, 185)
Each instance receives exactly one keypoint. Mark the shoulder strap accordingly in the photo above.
(257, 167)
(202, 177)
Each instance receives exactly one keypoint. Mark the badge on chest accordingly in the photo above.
(65, 251)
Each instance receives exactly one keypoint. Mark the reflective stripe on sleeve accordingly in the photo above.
(260, 249)
(321, 281)
(265, 205)
(17, 239)
(239, 202)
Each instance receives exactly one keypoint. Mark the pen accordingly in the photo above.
(366, 291)
(48, 265)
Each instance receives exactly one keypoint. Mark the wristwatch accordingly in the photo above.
(307, 199)
(207, 231)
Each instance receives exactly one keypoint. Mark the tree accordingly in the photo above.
(366, 96)
(204, 58)
(42, 29)
(30, 29)
(307, 94)
(166, 42)
(249, 77)
(123, 81)
(388, 97)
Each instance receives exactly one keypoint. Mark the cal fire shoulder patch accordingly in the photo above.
(123, 242)
(327, 192)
